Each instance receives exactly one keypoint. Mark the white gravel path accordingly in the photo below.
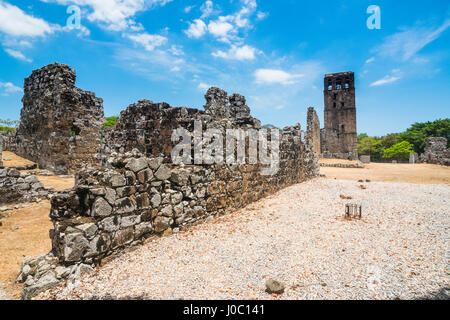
(400, 250)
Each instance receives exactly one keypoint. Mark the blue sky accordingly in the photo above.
(273, 52)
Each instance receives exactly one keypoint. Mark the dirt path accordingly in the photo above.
(389, 172)
(10, 159)
(23, 233)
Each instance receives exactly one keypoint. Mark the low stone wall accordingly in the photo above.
(343, 165)
(16, 186)
(436, 151)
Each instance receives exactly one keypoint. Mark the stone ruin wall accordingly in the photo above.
(313, 130)
(148, 126)
(59, 123)
(137, 195)
(436, 151)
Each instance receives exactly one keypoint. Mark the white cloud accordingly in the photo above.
(8, 87)
(225, 28)
(188, 9)
(220, 28)
(176, 50)
(206, 9)
(272, 76)
(261, 15)
(15, 22)
(407, 43)
(148, 41)
(372, 59)
(196, 29)
(114, 15)
(204, 86)
(385, 80)
(237, 53)
(17, 54)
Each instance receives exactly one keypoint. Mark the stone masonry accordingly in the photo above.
(436, 151)
(16, 186)
(339, 137)
(59, 123)
(148, 126)
(313, 132)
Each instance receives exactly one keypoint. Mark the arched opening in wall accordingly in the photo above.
(334, 105)
(342, 128)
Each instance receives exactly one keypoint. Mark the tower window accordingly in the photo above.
(338, 86)
(330, 87)
(342, 104)
(334, 96)
(347, 85)
(334, 105)
(343, 128)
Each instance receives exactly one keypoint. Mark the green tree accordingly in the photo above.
(370, 146)
(399, 151)
(8, 125)
(110, 121)
(419, 132)
(389, 140)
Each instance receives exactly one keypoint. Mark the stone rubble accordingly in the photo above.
(16, 186)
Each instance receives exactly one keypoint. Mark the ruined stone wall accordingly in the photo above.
(313, 129)
(339, 135)
(16, 186)
(436, 151)
(59, 123)
(137, 197)
(148, 126)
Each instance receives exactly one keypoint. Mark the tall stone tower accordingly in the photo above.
(339, 137)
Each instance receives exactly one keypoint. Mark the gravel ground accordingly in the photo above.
(399, 250)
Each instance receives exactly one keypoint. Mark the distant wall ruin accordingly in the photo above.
(339, 136)
(59, 123)
(313, 129)
(436, 151)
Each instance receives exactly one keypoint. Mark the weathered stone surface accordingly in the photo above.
(75, 246)
(101, 208)
(163, 173)
(137, 165)
(274, 286)
(161, 223)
